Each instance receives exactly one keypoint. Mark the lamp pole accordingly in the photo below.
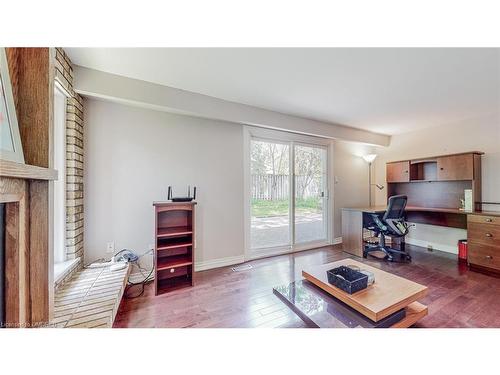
(369, 159)
(370, 184)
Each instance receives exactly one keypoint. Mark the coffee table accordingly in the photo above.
(392, 301)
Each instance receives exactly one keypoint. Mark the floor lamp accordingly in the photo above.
(369, 158)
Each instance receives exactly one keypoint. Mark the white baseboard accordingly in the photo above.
(435, 245)
(199, 266)
(217, 263)
(220, 262)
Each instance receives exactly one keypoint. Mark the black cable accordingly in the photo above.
(129, 283)
(142, 283)
(145, 279)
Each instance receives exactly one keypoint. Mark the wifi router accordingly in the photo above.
(189, 198)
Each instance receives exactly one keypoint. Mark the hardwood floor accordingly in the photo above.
(222, 298)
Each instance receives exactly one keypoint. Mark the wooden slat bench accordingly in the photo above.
(90, 299)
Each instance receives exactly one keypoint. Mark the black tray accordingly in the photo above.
(347, 279)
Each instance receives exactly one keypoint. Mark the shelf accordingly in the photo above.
(25, 171)
(176, 244)
(174, 253)
(173, 231)
(173, 262)
(169, 285)
(433, 180)
(423, 181)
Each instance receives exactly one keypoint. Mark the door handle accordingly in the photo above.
(488, 257)
(489, 235)
(322, 194)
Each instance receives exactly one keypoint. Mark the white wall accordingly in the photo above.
(350, 179)
(479, 134)
(132, 155)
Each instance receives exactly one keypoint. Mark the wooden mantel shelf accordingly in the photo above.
(24, 171)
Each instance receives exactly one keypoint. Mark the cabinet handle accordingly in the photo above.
(441, 169)
(488, 220)
(172, 270)
(488, 257)
(489, 235)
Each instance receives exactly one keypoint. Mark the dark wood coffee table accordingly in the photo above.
(390, 302)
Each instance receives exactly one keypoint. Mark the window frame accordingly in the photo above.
(59, 163)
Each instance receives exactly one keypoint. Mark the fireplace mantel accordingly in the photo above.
(24, 171)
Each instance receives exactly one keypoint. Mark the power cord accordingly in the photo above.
(147, 279)
(130, 257)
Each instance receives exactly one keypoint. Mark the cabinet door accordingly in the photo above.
(455, 167)
(398, 172)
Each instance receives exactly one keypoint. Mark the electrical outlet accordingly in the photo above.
(110, 247)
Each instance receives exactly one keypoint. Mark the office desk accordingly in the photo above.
(353, 218)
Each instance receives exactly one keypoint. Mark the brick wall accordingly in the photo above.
(74, 157)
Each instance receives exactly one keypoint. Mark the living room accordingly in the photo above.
(163, 184)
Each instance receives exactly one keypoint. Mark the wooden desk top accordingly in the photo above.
(389, 293)
(375, 209)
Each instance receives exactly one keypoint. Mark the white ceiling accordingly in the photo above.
(389, 91)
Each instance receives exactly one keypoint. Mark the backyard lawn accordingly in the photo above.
(267, 208)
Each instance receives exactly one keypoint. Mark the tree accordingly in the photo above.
(271, 160)
(307, 169)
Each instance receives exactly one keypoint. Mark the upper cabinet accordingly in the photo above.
(455, 167)
(398, 171)
(437, 181)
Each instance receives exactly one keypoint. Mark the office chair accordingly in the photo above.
(392, 224)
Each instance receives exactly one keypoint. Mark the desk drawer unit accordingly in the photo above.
(484, 219)
(483, 234)
(483, 255)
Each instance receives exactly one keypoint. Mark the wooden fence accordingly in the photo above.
(270, 186)
(276, 186)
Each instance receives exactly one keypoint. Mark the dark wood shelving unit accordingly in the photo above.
(174, 245)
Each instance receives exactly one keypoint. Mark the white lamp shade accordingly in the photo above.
(369, 158)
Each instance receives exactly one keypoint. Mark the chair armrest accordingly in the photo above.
(380, 225)
(398, 226)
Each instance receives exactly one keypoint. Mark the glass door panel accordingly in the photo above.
(270, 205)
(310, 177)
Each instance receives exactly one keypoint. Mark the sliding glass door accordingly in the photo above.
(310, 187)
(288, 195)
(270, 209)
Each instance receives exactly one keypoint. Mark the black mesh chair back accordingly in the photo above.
(396, 207)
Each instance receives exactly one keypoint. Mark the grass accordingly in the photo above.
(267, 208)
